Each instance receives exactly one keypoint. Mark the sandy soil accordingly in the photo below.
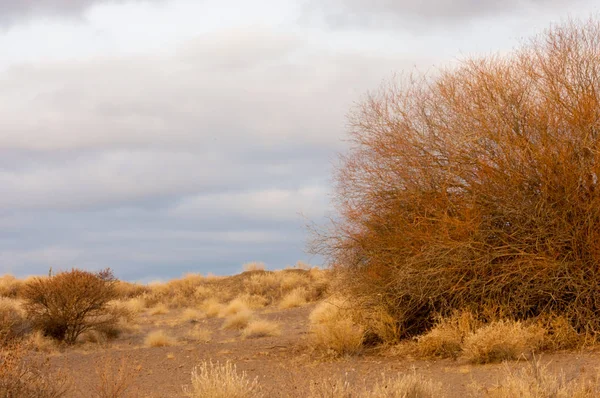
(284, 365)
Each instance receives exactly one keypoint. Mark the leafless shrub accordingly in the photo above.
(477, 187)
(69, 303)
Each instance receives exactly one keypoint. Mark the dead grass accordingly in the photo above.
(31, 378)
(192, 315)
(534, 381)
(159, 309)
(446, 338)
(200, 334)
(404, 386)
(158, 338)
(38, 342)
(13, 323)
(254, 266)
(215, 380)
(332, 329)
(10, 286)
(212, 307)
(261, 328)
(234, 306)
(238, 320)
(115, 378)
(295, 298)
(502, 340)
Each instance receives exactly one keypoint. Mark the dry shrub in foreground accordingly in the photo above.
(404, 386)
(69, 303)
(535, 381)
(158, 338)
(477, 187)
(503, 340)
(261, 328)
(114, 379)
(215, 380)
(332, 329)
(29, 378)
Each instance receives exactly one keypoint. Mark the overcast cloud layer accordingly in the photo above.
(173, 136)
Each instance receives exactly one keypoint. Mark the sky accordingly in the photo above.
(162, 137)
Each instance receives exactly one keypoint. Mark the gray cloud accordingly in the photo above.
(425, 15)
(13, 11)
(198, 159)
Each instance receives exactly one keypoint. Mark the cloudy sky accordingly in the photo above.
(161, 137)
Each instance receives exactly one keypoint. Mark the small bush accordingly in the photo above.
(234, 306)
(158, 338)
(215, 380)
(261, 328)
(114, 379)
(212, 307)
(13, 324)
(191, 315)
(67, 304)
(502, 340)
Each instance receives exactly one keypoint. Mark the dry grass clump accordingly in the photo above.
(332, 329)
(254, 266)
(29, 378)
(13, 323)
(127, 290)
(535, 381)
(215, 380)
(295, 298)
(261, 328)
(69, 303)
(200, 335)
(477, 186)
(159, 309)
(234, 306)
(212, 307)
(502, 340)
(446, 338)
(36, 341)
(158, 338)
(238, 320)
(175, 293)
(404, 386)
(192, 315)
(10, 286)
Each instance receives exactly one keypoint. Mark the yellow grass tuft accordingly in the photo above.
(215, 380)
(295, 298)
(261, 328)
(200, 335)
(158, 338)
(192, 315)
(254, 266)
(446, 338)
(234, 306)
(332, 329)
(502, 340)
(534, 381)
(408, 386)
(212, 307)
(159, 309)
(238, 320)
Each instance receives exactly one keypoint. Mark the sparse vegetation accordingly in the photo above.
(215, 380)
(333, 331)
(158, 338)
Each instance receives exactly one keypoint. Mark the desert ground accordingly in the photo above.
(282, 334)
